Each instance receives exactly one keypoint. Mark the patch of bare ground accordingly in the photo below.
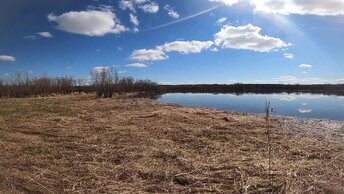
(81, 144)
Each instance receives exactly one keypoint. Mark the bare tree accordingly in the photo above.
(79, 84)
(104, 80)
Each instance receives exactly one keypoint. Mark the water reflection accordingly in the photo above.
(298, 105)
(304, 110)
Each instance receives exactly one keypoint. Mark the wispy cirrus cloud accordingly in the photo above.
(181, 19)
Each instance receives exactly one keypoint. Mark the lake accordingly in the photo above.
(296, 105)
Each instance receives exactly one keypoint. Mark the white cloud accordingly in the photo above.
(150, 8)
(141, 1)
(146, 5)
(127, 4)
(90, 22)
(221, 20)
(247, 37)
(305, 66)
(158, 54)
(45, 34)
(7, 58)
(136, 30)
(101, 69)
(186, 47)
(134, 20)
(170, 10)
(289, 55)
(214, 49)
(226, 2)
(148, 55)
(301, 7)
(141, 65)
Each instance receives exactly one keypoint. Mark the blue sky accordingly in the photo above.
(174, 41)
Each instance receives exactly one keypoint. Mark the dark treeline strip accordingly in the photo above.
(327, 89)
(103, 83)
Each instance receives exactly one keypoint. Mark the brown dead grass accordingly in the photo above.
(80, 144)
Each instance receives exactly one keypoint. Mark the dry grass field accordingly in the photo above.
(83, 144)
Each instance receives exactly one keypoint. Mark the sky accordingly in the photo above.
(176, 41)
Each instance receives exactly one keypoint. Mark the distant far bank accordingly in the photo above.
(327, 89)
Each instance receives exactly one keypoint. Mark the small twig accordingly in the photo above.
(32, 179)
(186, 173)
(51, 191)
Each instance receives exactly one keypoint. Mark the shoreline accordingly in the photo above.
(282, 101)
(79, 143)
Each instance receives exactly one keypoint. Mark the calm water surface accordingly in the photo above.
(297, 105)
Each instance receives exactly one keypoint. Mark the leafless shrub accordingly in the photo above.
(125, 84)
(79, 85)
(24, 85)
(104, 80)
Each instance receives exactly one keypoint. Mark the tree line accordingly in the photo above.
(328, 89)
(104, 82)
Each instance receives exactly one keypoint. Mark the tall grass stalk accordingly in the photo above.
(267, 111)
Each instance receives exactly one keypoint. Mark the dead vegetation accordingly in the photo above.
(83, 144)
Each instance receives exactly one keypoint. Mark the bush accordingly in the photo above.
(104, 82)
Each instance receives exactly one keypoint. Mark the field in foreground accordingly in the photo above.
(81, 144)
